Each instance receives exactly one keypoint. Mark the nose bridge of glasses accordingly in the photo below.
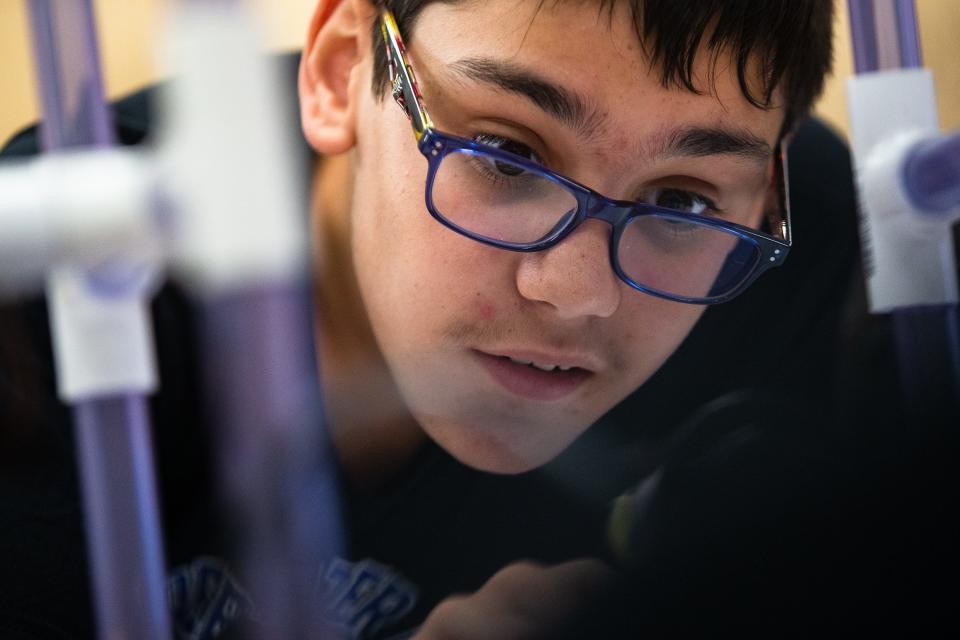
(613, 212)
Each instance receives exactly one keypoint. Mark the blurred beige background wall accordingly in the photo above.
(128, 28)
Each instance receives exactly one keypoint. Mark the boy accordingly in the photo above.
(502, 339)
(472, 343)
(504, 357)
(447, 322)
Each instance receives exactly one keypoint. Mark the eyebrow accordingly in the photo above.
(575, 112)
(698, 142)
(569, 107)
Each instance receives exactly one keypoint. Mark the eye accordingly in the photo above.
(681, 200)
(510, 146)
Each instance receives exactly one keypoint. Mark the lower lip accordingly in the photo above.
(529, 382)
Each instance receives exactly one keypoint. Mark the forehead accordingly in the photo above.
(591, 51)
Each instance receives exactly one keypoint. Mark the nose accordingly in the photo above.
(575, 276)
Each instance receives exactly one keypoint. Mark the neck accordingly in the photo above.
(372, 431)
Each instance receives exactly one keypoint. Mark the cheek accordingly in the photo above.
(416, 276)
(413, 271)
(388, 220)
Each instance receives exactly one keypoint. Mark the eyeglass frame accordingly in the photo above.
(436, 145)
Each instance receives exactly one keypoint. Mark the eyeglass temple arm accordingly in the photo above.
(782, 176)
(403, 82)
(778, 214)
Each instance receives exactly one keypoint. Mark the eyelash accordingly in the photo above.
(528, 153)
(709, 206)
(508, 145)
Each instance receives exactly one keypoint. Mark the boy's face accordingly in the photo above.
(447, 312)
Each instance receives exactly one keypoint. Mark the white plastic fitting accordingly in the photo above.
(68, 219)
(85, 209)
(103, 344)
(908, 252)
(227, 156)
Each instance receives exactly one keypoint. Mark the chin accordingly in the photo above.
(486, 450)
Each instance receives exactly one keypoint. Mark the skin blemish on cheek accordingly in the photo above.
(486, 309)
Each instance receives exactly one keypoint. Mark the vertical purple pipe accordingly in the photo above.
(277, 468)
(908, 34)
(68, 74)
(864, 36)
(116, 470)
(928, 351)
(884, 34)
(113, 444)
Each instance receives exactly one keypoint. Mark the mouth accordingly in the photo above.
(534, 378)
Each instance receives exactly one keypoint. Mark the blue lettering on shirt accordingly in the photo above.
(366, 596)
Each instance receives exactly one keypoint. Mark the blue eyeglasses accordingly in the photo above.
(505, 200)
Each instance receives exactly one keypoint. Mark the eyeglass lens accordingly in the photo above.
(508, 203)
(499, 200)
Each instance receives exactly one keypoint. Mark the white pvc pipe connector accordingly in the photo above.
(87, 209)
(909, 254)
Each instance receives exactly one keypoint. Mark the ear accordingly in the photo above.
(329, 78)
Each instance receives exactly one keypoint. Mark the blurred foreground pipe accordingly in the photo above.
(111, 419)
(909, 186)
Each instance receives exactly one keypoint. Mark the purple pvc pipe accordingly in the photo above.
(908, 34)
(121, 519)
(928, 351)
(884, 34)
(68, 75)
(276, 468)
(931, 175)
(113, 444)
(864, 36)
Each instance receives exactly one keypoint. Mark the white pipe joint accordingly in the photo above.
(909, 256)
(92, 210)
(228, 157)
(86, 223)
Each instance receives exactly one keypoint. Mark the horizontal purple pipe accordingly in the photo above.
(932, 174)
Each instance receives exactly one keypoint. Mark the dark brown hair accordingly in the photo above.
(775, 43)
